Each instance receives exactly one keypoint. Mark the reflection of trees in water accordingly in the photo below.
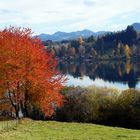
(112, 71)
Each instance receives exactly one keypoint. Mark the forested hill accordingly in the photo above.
(117, 45)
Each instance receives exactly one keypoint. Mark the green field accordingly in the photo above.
(51, 130)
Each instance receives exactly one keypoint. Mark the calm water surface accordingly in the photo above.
(122, 75)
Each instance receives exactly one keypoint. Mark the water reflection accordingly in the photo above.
(107, 73)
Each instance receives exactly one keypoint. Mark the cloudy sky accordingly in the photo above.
(49, 16)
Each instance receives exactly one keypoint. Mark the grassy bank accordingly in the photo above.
(9, 124)
(39, 130)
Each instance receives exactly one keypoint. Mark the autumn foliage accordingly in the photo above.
(28, 73)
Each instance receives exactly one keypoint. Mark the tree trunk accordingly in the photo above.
(17, 113)
(24, 109)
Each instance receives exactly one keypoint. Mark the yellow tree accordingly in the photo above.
(94, 53)
(81, 41)
(119, 49)
(127, 51)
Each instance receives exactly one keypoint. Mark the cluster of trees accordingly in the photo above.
(28, 75)
(117, 45)
(101, 105)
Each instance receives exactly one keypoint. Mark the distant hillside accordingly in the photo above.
(121, 45)
(136, 26)
(58, 36)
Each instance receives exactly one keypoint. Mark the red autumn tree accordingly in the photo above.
(28, 73)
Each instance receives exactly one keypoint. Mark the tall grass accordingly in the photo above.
(8, 124)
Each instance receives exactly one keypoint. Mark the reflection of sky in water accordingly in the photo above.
(86, 81)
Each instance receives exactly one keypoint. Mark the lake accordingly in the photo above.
(115, 74)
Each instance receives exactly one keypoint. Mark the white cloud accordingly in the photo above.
(117, 26)
(69, 14)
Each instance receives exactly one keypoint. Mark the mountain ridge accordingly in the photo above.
(136, 26)
(59, 35)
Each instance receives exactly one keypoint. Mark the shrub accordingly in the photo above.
(101, 105)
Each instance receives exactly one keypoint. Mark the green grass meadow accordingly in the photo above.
(50, 130)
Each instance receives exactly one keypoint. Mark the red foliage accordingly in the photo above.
(28, 72)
